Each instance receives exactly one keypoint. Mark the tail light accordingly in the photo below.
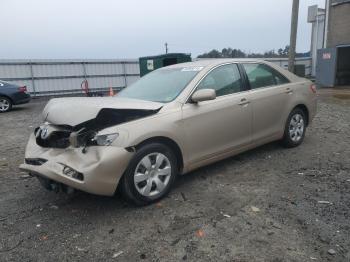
(313, 88)
(22, 89)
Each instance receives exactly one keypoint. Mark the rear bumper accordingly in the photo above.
(312, 108)
(21, 98)
(101, 167)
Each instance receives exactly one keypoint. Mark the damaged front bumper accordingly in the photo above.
(97, 170)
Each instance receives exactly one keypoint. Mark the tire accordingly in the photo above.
(147, 180)
(5, 104)
(295, 129)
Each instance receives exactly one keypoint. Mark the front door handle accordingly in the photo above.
(243, 102)
(289, 90)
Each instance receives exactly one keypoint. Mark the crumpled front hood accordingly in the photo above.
(75, 110)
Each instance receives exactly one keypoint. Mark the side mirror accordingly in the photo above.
(203, 95)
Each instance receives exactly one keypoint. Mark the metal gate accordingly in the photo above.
(326, 67)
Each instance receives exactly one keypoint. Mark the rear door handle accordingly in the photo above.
(243, 102)
(289, 90)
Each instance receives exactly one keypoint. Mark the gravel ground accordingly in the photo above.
(262, 205)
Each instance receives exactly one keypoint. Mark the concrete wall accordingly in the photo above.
(339, 24)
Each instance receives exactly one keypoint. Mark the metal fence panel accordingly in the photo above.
(104, 69)
(15, 71)
(133, 68)
(63, 86)
(106, 82)
(58, 70)
(64, 76)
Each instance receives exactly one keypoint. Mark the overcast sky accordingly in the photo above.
(133, 28)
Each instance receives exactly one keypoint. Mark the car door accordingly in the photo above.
(217, 126)
(270, 96)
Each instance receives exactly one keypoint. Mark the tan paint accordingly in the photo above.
(102, 166)
(206, 131)
(74, 110)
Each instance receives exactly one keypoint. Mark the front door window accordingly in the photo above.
(224, 80)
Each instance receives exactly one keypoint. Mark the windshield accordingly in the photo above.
(162, 85)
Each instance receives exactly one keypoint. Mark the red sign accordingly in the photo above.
(326, 56)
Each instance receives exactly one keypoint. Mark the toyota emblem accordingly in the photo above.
(44, 133)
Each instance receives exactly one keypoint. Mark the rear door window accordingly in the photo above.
(261, 75)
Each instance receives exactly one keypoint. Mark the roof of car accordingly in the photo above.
(214, 61)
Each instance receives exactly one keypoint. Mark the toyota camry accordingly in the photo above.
(168, 123)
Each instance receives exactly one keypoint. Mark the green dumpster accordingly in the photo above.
(299, 70)
(150, 63)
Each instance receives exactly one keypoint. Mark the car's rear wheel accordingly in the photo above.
(295, 128)
(5, 104)
(150, 174)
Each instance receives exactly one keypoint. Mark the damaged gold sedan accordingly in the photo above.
(170, 122)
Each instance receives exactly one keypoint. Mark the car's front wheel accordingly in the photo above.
(295, 128)
(5, 104)
(150, 174)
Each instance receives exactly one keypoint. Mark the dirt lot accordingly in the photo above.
(262, 205)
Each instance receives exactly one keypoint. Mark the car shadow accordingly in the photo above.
(85, 201)
(78, 201)
(18, 108)
(234, 161)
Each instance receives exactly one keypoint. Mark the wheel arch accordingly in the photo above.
(6, 96)
(168, 142)
(304, 108)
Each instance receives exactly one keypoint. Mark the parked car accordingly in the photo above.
(171, 121)
(11, 94)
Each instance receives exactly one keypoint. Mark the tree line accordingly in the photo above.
(238, 53)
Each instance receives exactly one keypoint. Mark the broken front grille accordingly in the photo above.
(52, 138)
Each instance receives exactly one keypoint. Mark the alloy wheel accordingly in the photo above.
(296, 127)
(4, 105)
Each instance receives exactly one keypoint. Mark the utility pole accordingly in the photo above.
(327, 8)
(293, 35)
(166, 48)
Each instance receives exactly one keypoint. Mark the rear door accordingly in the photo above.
(270, 95)
(217, 126)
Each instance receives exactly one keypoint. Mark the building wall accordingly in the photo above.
(339, 24)
(317, 37)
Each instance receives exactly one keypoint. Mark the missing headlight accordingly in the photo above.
(105, 140)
